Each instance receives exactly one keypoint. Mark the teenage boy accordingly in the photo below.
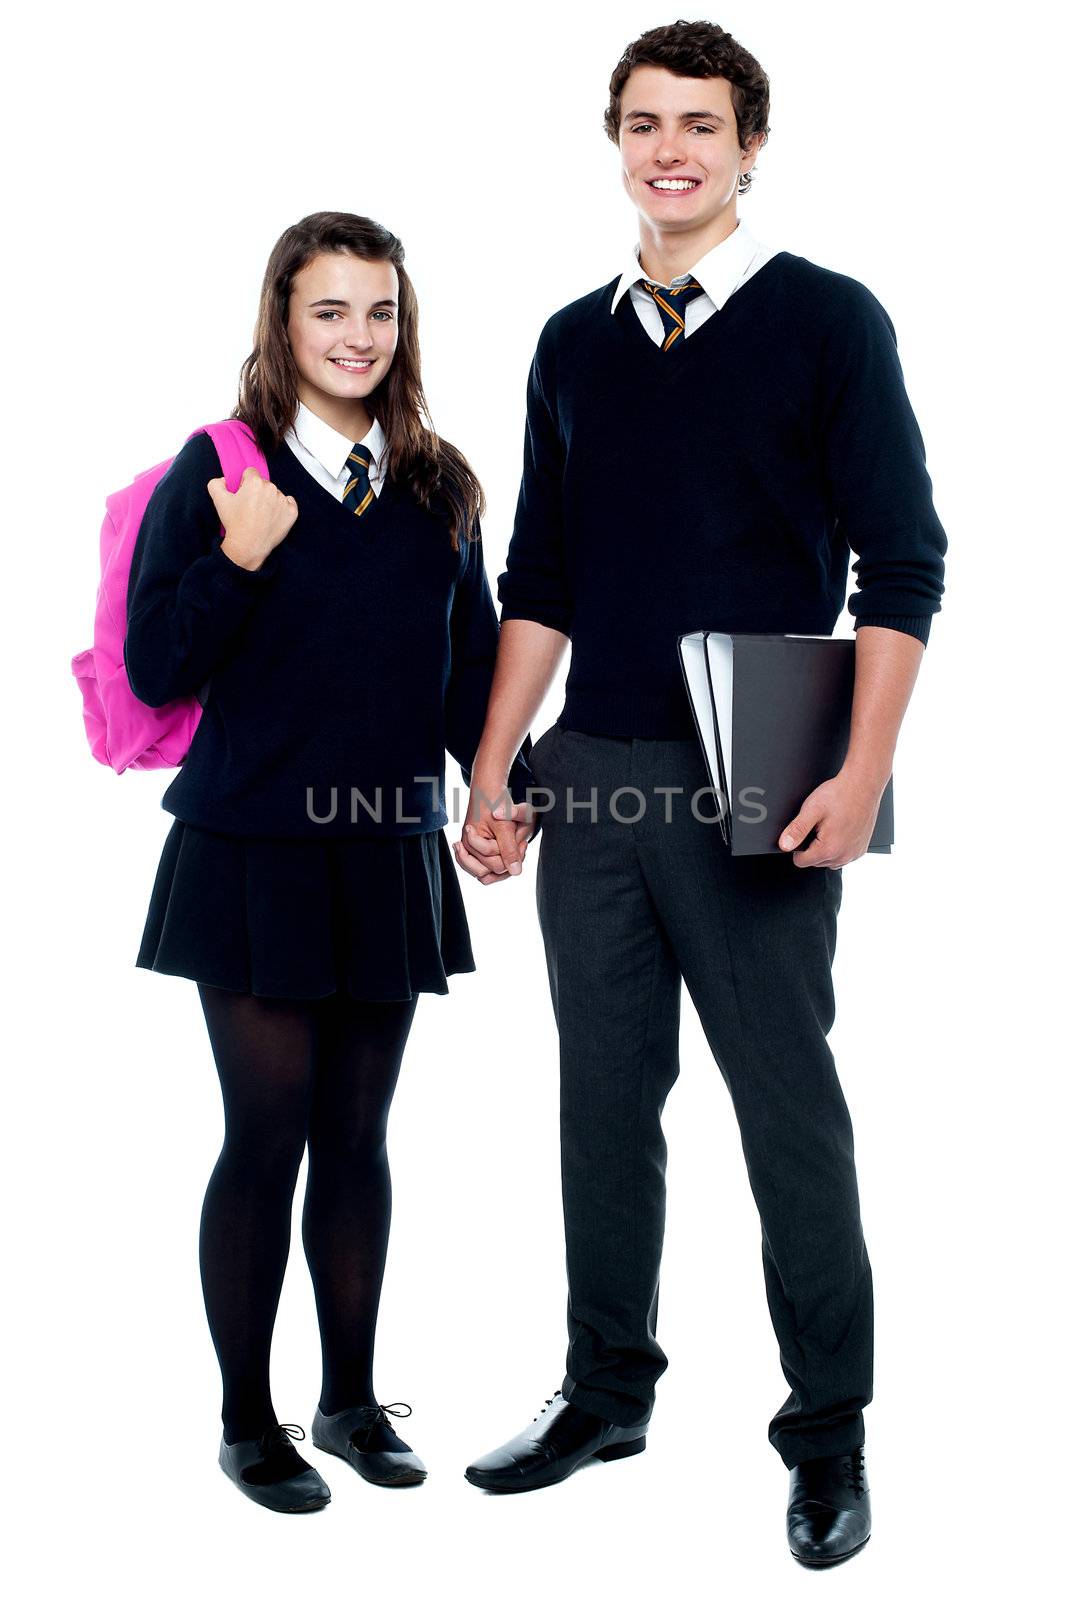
(709, 436)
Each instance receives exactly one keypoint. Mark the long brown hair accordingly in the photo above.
(438, 475)
(698, 50)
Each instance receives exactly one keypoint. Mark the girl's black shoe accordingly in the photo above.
(270, 1470)
(364, 1437)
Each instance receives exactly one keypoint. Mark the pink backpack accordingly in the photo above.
(122, 731)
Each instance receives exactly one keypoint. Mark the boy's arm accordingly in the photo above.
(493, 847)
(876, 480)
(536, 612)
(880, 490)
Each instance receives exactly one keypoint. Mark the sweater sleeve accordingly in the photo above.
(878, 485)
(474, 640)
(186, 597)
(534, 585)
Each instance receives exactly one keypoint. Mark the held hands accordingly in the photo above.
(255, 519)
(843, 812)
(494, 839)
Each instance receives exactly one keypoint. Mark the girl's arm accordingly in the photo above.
(474, 640)
(187, 598)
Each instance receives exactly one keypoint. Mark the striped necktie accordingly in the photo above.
(670, 303)
(358, 496)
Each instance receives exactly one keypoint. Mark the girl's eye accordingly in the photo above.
(323, 315)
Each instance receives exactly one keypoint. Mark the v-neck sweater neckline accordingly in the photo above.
(667, 364)
(321, 494)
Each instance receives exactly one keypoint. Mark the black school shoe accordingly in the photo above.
(829, 1512)
(270, 1470)
(364, 1437)
(561, 1439)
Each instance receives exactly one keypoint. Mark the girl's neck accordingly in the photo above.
(349, 417)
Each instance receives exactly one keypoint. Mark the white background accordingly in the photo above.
(154, 159)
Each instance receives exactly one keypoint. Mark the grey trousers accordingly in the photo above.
(628, 909)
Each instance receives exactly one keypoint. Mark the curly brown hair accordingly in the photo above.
(438, 474)
(698, 50)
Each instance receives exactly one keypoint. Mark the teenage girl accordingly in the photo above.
(345, 635)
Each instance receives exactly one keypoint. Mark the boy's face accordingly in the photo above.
(676, 129)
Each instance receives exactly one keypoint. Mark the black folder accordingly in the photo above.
(773, 715)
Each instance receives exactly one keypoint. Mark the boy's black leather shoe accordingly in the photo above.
(829, 1512)
(561, 1439)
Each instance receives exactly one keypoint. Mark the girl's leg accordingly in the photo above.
(348, 1203)
(264, 1051)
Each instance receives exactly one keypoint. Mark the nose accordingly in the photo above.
(359, 336)
(667, 155)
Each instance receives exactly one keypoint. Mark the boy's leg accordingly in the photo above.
(615, 988)
(755, 937)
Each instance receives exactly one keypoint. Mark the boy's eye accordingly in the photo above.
(697, 127)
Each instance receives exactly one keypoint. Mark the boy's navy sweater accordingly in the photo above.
(721, 484)
(359, 651)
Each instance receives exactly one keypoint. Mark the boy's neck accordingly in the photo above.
(664, 256)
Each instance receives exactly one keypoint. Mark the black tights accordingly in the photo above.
(296, 1073)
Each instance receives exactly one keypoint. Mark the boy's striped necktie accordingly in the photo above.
(358, 496)
(671, 304)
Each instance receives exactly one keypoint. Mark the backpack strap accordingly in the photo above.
(237, 449)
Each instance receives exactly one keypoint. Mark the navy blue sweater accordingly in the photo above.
(345, 665)
(722, 484)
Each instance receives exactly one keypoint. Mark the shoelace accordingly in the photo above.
(280, 1437)
(398, 1408)
(547, 1404)
(854, 1469)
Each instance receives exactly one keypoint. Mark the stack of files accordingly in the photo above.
(773, 714)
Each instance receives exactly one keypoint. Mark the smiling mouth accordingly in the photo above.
(673, 185)
(359, 364)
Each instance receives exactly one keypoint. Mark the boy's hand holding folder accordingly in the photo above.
(842, 812)
(773, 715)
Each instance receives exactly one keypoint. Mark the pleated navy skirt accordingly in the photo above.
(376, 917)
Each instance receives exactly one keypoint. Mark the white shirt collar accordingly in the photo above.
(719, 271)
(332, 448)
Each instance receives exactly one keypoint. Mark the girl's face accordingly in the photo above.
(342, 328)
